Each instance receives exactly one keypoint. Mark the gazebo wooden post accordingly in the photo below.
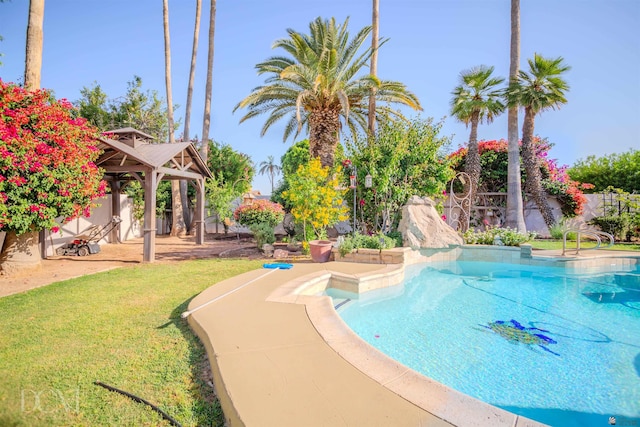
(114, 234)
(149, 230)
(199, 213)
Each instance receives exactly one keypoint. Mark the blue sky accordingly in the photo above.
(431, 42)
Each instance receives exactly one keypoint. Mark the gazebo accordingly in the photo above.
(130, 154)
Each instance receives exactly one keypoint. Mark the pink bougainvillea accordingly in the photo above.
(47, 168)
(556, 181)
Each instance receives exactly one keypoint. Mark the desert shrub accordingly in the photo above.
(357, 240)
(558, 230)
(259, 212)
(508, 236)
(616, 225)
(263, 233)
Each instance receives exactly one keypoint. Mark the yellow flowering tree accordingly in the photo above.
(316, 197)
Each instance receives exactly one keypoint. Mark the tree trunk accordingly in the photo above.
(375, 30)
(323, 135)
(33, 61)
(20, 252)
(187, 115)
(473, 168)
(515, 209)
(192, 72)
(178, 227)
(206, 122)
(532, 167)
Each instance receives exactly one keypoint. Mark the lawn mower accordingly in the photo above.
(85, 244)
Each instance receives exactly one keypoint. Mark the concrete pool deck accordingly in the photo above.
(280, 357)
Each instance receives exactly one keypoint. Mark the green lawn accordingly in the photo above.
(121, 327)
(557, 244)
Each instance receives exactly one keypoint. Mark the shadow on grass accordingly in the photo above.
(208, 410)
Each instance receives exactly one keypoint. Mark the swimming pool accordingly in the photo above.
(558, 347)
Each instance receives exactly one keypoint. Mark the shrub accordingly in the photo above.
(616, 225)
(263, 233)
(508, 236)
(357, 240)
(558, 230)
(315, 197)
(259, 212)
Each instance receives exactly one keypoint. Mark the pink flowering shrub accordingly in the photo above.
(259, 212)
(46, 161)
(556, 181)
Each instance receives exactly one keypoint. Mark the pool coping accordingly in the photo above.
(446, 404)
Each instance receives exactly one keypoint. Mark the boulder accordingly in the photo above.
(422, 226)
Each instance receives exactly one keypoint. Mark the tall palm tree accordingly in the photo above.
(540, 89)
(178, 226)
(33, 62)
(206, 119)
(315, 86)
(476, 100)
(514, 217)
(269, 166)
(373, 69)
(187, 115)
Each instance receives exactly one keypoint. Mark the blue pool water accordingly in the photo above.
(559, 348)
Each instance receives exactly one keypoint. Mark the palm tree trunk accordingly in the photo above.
(515, 209)
(178, 227)
(532, 167)
(187, 115)
(323, 135)
(206, 122)
(33, 61)
(473, 168)
(374, 65)
(20, 252)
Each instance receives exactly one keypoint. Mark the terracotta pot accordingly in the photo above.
(320, 250)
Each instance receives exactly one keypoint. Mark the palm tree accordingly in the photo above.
(178, 226)
(514, 217)
(373, 69)
(540, 89)
(269, 166)
(206, 120)
(315, 86)
(187, 115)
(477, 99)
(33, 62)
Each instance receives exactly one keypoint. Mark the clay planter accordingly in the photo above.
(320, 250)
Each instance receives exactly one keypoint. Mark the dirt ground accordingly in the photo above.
(168, 249)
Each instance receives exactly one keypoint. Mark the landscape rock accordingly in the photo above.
(268, 250)
(280, 253)
(422, 226)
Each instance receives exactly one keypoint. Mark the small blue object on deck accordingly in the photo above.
(280, 265)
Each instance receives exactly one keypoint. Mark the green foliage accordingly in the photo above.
(406, 159)
(263, 233)
(358, 240)
(508, 236)
(618, 170)
(139, 109)
(219, 197)
(259, 212)
(478, 97)
(315, 197)
(558, 230)
(616, 225)
(231, 167)
(297, 155)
